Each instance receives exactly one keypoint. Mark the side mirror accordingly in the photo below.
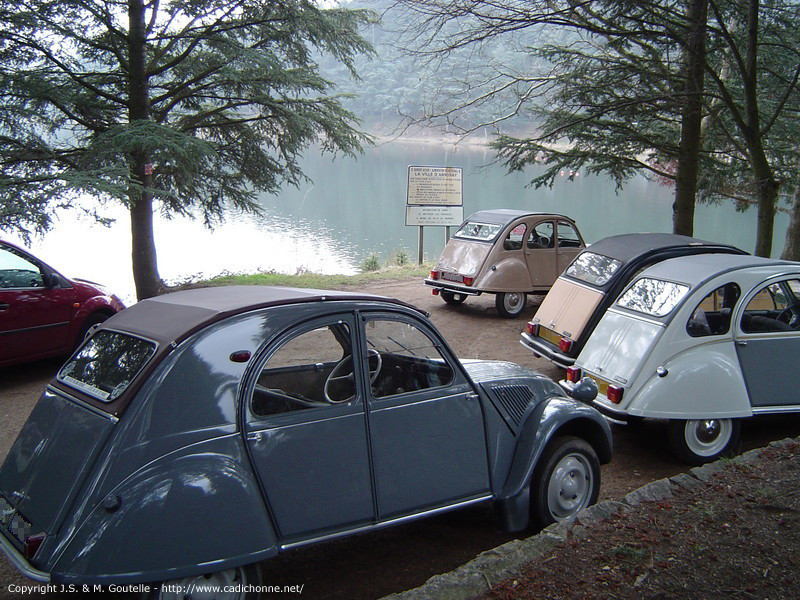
(51, 279)
(585, 390)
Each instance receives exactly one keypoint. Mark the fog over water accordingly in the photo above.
(354, 207)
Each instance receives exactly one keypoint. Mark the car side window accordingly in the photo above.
(774, 308)
(312, 369)
(712, 316)
(409, 360)
(541, 236)
(17, 272)
(568, 236)
(514, 238)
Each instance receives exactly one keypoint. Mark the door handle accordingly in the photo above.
(4, 306)
(741, 343)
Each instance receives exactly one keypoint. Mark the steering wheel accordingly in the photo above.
(790, 315)
(338, 374)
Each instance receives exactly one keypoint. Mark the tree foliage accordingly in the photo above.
(623, 81)
(198, 105)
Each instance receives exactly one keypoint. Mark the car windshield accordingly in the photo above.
(478, 231)
(654, 297)
(107, 364)
(594, 269)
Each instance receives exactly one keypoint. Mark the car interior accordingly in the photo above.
(401, 359)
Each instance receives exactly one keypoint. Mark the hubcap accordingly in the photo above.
(707, 437)
(570, 487)
(513, 302)
(229, 584)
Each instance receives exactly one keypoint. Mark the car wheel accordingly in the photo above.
(566, 480)
(698, 441)
(86, 328)
(241, 583)
(510, 304)
(452, 298)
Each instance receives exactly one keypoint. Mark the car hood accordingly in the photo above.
(481, 371)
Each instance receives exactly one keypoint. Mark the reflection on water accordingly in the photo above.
(357, 206)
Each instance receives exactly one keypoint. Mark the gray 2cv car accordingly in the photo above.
(198, 433)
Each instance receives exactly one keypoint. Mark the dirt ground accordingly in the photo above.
(736, 536)
(370, 566)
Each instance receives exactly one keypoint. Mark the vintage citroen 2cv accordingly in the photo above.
(509, 253)
(572, 308)
(702, 342)
(198, 433)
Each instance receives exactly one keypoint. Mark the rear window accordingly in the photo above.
(594, 269)
(106, 364)
(478, 231)
(654, 297)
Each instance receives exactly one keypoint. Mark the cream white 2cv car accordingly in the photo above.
(702, 341)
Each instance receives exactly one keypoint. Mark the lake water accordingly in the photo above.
(356, 207)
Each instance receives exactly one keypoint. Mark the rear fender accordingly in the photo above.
(705, 381)
(509, 274)
(194, 511)
(554, 417)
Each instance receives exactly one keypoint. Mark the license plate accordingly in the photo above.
(455, 277)
(13, 522)
(549, 335)
(602, 385)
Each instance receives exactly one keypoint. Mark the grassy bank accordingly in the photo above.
(316, 280)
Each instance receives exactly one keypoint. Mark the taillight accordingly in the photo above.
(31, 545)
(565, 344)
(469, 280)
(435, 291)
(573, 374)
(614, 394)
(532, 328)
(435, 275)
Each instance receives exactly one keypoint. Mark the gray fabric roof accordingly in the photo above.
(172, 316)
(630, 245)
(694, 270)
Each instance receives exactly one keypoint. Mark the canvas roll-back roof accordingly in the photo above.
(503, 216)
(172, 317)
(695, 270)
(628, 246)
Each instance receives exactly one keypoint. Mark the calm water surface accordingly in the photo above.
(355, 207)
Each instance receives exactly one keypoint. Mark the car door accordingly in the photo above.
(426, 425)
(306, 431)
(768, 343)
(569, 245)
(34, 318)
(541, 254)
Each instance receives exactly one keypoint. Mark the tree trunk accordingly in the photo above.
(691, 120)
(767, 195)
(791, 248)
(763, 176)
(145, 265)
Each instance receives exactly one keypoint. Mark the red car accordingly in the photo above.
(43, 313)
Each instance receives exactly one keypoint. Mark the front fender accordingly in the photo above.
(703, 382)
(194, 511)
(554, 417)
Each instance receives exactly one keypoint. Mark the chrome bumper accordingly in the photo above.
(555, 357)
(20, 563)
(451, 287)
(619, 417)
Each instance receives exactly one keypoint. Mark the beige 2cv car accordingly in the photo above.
(509, 253)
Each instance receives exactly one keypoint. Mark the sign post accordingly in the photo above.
(434, 198)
